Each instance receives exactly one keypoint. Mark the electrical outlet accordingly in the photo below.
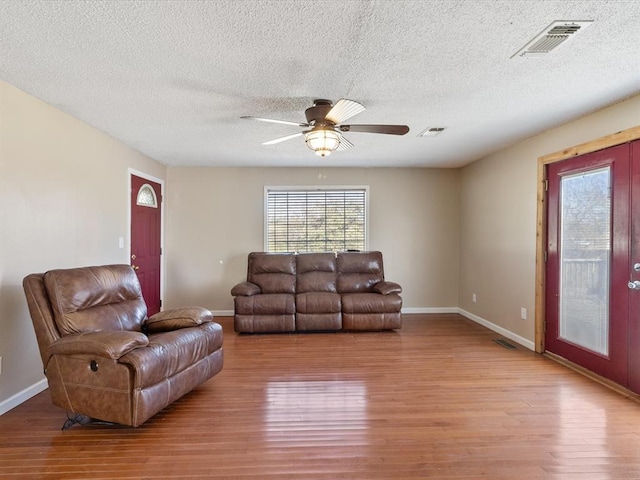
(474, 298)
(523, 313)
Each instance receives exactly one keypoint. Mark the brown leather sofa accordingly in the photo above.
(287, 292)
(103, 358)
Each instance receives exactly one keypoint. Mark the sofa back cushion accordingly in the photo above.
(359, 271)
(94, 299)
(316, 272)
(273, 272)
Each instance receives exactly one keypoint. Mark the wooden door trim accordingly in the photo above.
(601, 143)
(160, 181)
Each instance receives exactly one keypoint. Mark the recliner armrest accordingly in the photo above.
(177, 318)
(112, 344)
(245, 289)
(387, 288)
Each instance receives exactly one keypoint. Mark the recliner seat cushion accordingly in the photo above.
(318, 311)
(318, 302)
(370, 303)
(169, 353)
(275, 303)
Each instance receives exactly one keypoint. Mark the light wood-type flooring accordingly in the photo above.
(438, 399)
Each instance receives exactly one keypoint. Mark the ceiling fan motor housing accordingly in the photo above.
(316, 114)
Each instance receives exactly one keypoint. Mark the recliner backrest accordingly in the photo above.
(316, 272)
(93, 299)
(272, 272)
(358, 272)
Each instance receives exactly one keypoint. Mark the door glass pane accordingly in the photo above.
(585, 212)
(147, 197)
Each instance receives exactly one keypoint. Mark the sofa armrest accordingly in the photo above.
(112, 344)
(245, 289)
(177, 318)
(387, 288)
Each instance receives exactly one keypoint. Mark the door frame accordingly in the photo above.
(601, 143)
(146, 176)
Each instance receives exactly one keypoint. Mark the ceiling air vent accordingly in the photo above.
(552, 36)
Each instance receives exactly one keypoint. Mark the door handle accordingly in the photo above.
(634, 285)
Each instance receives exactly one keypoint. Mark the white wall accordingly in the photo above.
(215, 218)
(498, 219)
(63, 203)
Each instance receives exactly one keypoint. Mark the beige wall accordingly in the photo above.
(64, 201)
(215, 218)
(445, 234)
(498, 219)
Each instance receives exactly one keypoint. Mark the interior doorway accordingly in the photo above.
(146, 238)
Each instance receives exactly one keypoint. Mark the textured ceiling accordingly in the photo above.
(172, 78)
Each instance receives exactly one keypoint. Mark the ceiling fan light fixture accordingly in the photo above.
(322, 140)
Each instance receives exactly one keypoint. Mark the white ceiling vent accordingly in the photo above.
(552, 36)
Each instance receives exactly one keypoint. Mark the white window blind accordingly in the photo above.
(319, 220)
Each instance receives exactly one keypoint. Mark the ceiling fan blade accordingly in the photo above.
(283, 139)
(344, 109)
(271, 120)
(387, 129)
(344, 144)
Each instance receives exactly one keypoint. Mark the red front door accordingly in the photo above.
(634, 272)
(593, 307)
(146, 197)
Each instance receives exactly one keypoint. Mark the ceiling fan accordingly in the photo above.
(325, 121)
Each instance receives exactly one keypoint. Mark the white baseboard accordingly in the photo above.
(498, 329)
(23, 396)
(229, 313)
(430, 310)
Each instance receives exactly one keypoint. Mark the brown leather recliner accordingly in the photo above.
(287, 292)
(103, 358)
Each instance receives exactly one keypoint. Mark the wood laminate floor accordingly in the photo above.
(438, 399)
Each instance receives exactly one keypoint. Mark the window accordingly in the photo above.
(147, 197)
(315, 219)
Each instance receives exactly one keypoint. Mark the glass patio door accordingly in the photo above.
(588, 265)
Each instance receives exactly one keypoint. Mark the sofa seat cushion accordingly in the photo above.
(265, 323)
(371, 303)
(266, 304)
(318, 302)
(318, 311)
(371, 321)
(169, 353)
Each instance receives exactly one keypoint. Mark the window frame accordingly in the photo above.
(310, 188)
